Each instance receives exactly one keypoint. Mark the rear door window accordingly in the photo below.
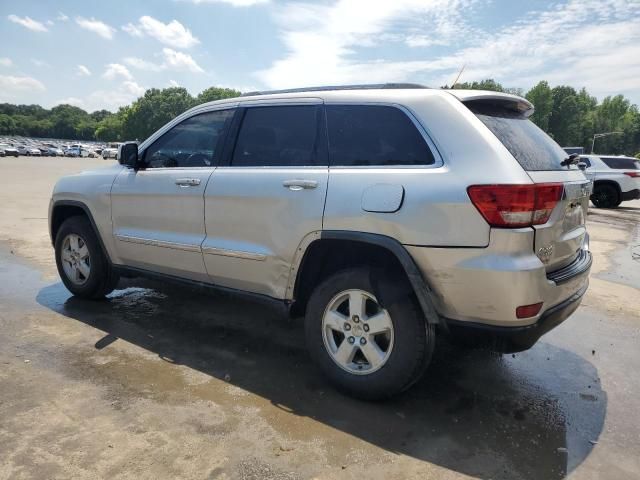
(529, 145)
(621, 163)
(278, 136)
(374, 135)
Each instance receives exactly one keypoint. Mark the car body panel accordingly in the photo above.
(158, 223)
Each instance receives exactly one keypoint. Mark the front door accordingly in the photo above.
(158, 211)
(261, 205)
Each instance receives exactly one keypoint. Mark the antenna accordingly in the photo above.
(458, 77)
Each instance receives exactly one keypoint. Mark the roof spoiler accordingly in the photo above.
(505, 100)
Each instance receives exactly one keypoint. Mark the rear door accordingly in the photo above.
(158, 211)
(269, 196)
(559, 241)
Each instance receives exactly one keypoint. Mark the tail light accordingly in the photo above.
(513, 206)
(632, 174)
(528, 311)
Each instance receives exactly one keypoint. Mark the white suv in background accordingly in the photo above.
(615, 179)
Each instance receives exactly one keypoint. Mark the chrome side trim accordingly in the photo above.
(234, 253)
(159, 243)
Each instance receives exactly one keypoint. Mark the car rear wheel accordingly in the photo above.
(367, 350)
(605, 196)
(82, 265)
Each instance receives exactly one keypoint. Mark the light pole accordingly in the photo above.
(599, 135)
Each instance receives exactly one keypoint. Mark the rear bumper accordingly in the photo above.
(516, 339)
(630, 195)
(485, 286)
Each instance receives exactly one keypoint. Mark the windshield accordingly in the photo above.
(530, 146)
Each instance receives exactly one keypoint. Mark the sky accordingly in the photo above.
(104, 54)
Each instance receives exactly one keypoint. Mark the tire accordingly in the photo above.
(93, 282)
(606, 196)
(409, 343)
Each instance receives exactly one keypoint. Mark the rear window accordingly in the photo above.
(621, 163)
(530, 146)
(373, 135)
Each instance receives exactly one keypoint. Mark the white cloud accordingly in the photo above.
(570, 43)
(75, 101)
(96, 26)
(5, 62)
(132, 30)
(83, 71)
(233, 3)
(173, 33)
(141, 64)
(12, 84)
(173, 83)
(62, 17)
(50, 22)
(39, 63)
(133, 88)
(115, 70)
(180, 61)
(123, 94)
(28, 22)
(171, 60)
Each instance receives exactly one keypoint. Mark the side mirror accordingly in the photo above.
(128, 154)
(582, 166)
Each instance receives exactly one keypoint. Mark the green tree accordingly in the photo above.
(155, 108)
(488, 84)
(110, 129)
(542, 100)
(215, 93)
(7, 124)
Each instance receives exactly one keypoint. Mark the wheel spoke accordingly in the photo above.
(73, 242)
(335, 320)
(66, 255)
(83, 251)
(345, 352)
(84, 269)
(372, 353)
(380, 322)
(76, 274)
(357, 302)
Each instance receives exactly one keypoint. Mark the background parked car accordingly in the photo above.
(615, 179)
(109, 153)
(55, 152)
(8, 150)
(33, 152)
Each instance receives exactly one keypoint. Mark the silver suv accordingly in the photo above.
(385, 215)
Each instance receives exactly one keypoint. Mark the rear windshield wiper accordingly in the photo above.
(572, 159)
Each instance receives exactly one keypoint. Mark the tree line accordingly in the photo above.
(570, 116)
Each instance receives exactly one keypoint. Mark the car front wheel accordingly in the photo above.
(82, 265)
(367, 350)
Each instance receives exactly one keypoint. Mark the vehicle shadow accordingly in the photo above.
(531, 415)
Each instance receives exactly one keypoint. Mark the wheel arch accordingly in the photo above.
(353, 248)
(61, 210)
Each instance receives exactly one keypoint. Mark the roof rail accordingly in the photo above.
(374, 86)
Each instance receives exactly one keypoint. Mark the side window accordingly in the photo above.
(620, 163)
(194, 142)
(374, 135)
(586, 161)
(278, 136)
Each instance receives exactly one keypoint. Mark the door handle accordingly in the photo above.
(187, 182)
(296, 185)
